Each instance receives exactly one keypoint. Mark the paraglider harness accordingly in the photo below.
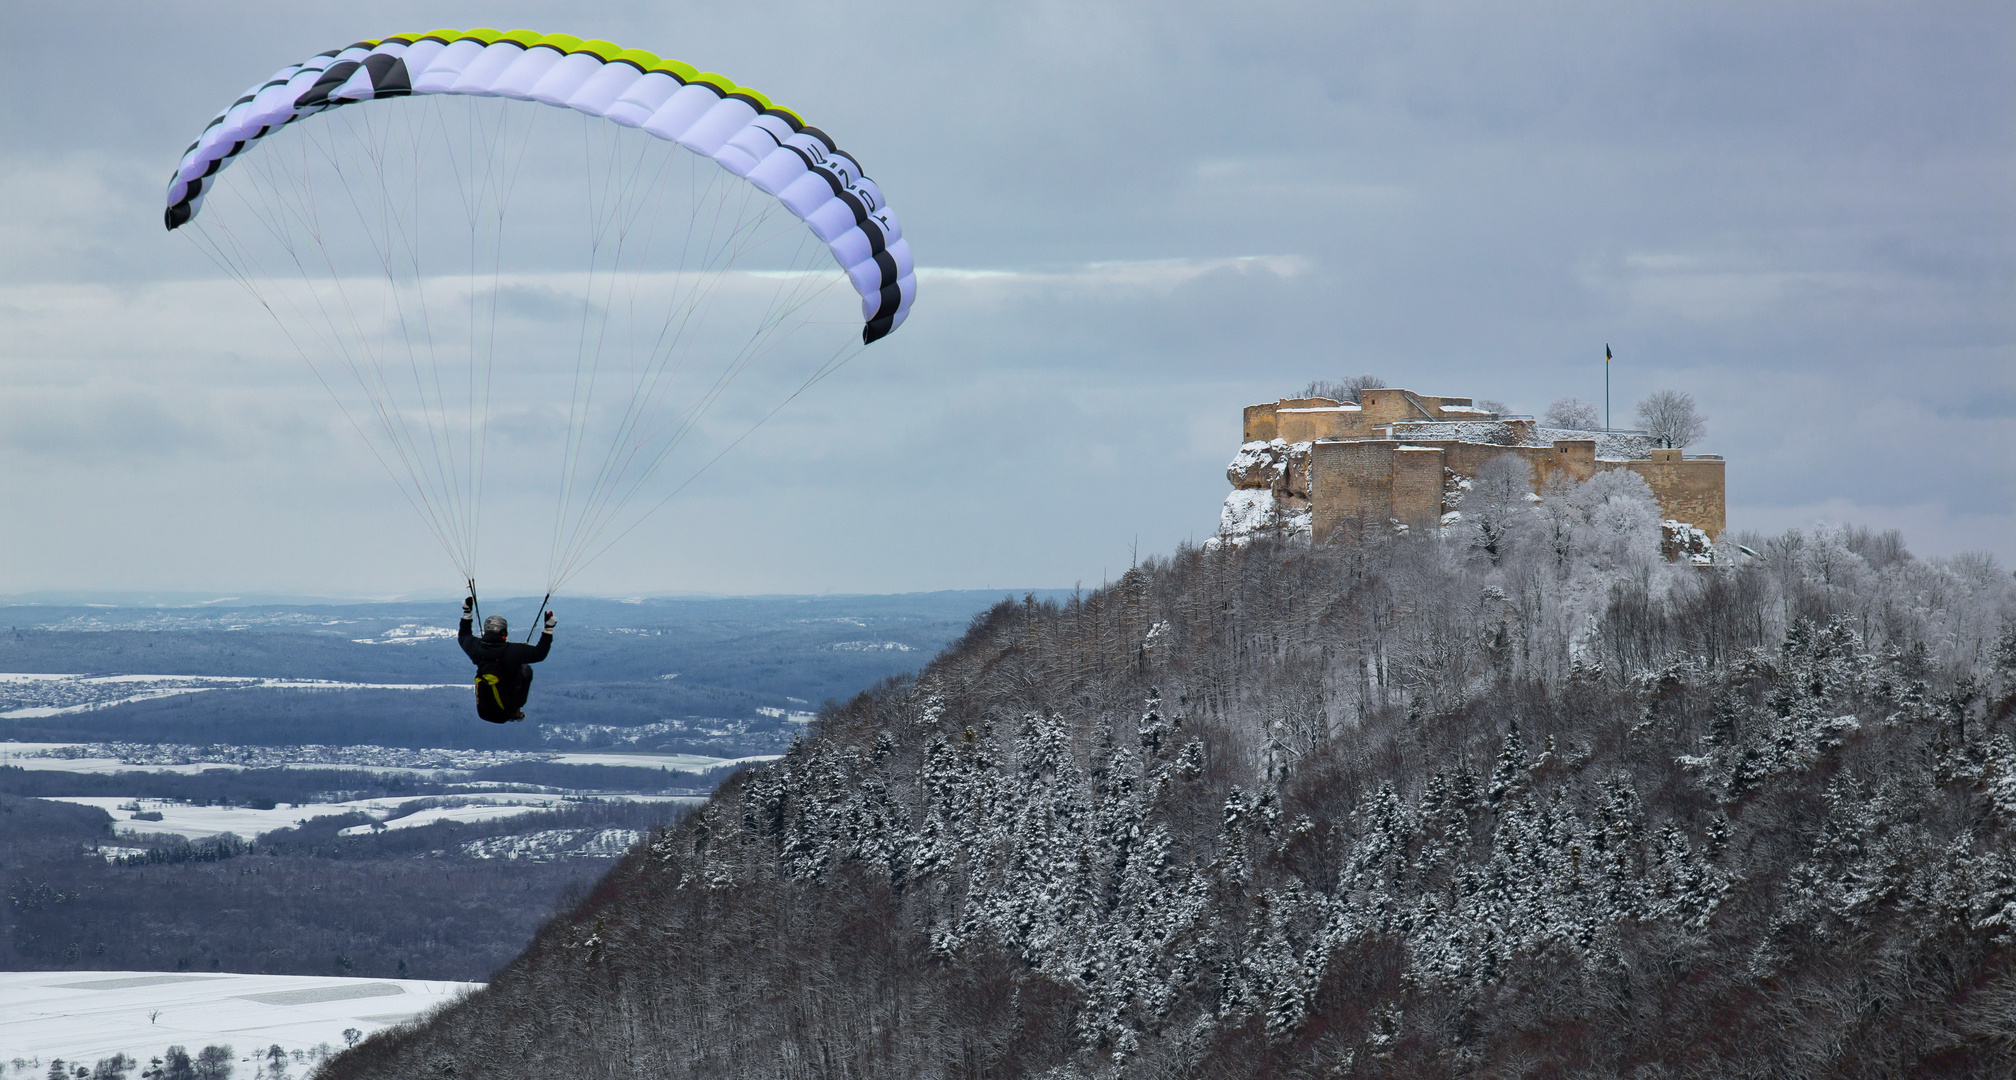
(503, 680)
(489, 700)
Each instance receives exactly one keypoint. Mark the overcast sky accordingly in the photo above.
(1131, 221)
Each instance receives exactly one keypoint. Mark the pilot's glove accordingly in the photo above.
(468, 606)
(551, 622)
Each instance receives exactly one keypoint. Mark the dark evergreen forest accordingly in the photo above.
(406, 903)
(1521, 801)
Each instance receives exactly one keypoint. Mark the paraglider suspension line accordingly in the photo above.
(538, 617)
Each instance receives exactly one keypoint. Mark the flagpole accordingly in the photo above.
(1606, 387)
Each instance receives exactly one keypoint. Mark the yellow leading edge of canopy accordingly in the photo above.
(607, 51)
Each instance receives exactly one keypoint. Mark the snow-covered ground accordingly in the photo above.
(868, 646)
(82, 1016)
(204, 822)
(107, 758)
(693, 763)
(555, 843)
(409, 634)
(500, 806)
(32, 695)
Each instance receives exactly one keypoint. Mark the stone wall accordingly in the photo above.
(1390, 405)
(1576, 457)
(1294, 420)
(1356, 481)
(1311, 422)
(1382, 480)
(1417, 486)
(1688, 489)
(1263, 421)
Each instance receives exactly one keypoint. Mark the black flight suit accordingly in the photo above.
(503, 672)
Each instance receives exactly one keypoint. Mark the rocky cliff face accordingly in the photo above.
(1364, 810)
(1270, 494)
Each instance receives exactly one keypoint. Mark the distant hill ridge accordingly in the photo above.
(1379, 809)
(615, 663)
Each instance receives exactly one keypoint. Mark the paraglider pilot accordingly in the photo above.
(503, 666)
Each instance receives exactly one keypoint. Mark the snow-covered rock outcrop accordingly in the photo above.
(1270, 496)
(1679, 541)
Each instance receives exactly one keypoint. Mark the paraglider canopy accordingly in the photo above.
(707, 113)
(412, 252)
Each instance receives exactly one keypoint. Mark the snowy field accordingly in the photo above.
(204, 822)
(410, 634)
(555, 844)
(503, 806)
(36, 695)
(189, 759)
(693, 763)
(83, 1016)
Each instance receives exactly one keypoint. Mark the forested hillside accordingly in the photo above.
(1519, 800)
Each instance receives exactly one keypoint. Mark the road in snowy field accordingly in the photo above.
(83, 1016)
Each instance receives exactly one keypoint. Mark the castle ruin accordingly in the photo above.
(1310, 465)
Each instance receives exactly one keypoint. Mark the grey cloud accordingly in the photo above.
(106, 427)
(538, 304)
(1798, 213)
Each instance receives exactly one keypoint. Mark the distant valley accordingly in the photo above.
(717, 677)
(304, 789)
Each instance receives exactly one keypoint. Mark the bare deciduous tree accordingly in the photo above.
(1670, 417)
(215, 1063)
(1345, 390)
(1575, 414)
(1497, 500)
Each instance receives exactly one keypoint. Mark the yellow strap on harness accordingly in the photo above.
(492, 680)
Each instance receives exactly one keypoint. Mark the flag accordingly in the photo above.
(1606, 352)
